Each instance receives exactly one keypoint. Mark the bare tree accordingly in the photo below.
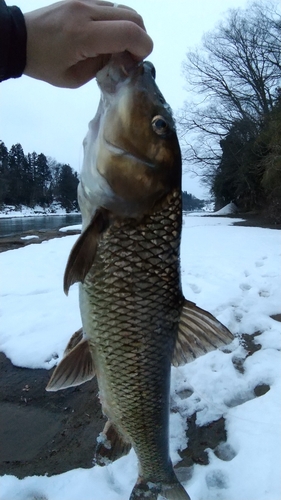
(234, 77)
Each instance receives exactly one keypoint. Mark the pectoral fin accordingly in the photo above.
(199, 332)
(83, 252)
(75, 368)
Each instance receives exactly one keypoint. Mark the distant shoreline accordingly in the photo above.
(14, 242)
(58, 214)
(29, 212)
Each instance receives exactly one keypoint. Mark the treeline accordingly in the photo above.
(34, 179)
(249, 172)
(190, 202)
(232, 133)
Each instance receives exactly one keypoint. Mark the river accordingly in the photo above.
(17, 225)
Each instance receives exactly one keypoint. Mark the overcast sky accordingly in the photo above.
(54, 121)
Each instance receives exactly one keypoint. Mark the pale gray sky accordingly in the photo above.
(54, 121)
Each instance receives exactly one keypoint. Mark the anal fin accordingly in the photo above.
(111, 445)
(199, 332)
(75, 368)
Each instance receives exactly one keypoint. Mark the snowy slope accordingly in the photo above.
(234, 272)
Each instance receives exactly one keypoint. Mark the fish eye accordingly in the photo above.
(159, 125)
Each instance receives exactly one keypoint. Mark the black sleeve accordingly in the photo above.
(12, 42)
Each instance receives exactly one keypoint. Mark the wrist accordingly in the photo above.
(13, 38)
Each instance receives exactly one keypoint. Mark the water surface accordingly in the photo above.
(17, 225)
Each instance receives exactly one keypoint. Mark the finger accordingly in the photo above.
(84, 71)
(115, 5)
(110, 4)
(111, 37)
(103, 12)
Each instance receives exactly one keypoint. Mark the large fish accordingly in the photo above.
(136, 322)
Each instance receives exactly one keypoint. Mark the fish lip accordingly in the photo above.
(117, 150)
(120, 69)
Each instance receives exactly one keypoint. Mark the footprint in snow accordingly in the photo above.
(264, 293)
(217, 479)
(245, 396)
(245, 286)
(259, 263)
(225, 452)
(35, 496)
(194, 288)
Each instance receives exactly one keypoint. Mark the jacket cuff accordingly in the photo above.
(13, 39)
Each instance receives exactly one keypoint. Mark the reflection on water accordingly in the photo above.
(17, 225)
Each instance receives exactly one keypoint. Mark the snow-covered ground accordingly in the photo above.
(229, 209)
(234, 272)
(54, 209)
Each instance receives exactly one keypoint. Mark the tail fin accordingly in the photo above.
(174, 491)
(154, 491)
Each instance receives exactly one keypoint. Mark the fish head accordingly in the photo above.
(132, 156)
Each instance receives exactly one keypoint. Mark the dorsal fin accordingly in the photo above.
(83, 252)
(199, 332)
(75, 368)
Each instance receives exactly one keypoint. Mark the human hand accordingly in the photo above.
(70, 41)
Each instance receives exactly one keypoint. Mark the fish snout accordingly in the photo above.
(149, 68)
(145, 68)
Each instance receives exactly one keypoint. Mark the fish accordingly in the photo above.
(136, 322)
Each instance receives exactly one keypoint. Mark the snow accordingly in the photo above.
(231, 208)
(23, 211)
(232, 271)
(31, 237)
(75, 227)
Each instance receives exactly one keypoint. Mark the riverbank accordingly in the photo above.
(254, 220)
(33, 237)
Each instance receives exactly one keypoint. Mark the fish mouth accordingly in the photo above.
(117, 150)
(120, 68)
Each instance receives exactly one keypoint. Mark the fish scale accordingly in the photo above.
(133, 370)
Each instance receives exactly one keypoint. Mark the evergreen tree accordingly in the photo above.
(230, 178)
(269, 142)
(3, 172)
(190, 202)
(32, 161)
(17, 167)
(35, 179)
(26, 182)
(42, 181)
(55, 169)
(67, 188)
